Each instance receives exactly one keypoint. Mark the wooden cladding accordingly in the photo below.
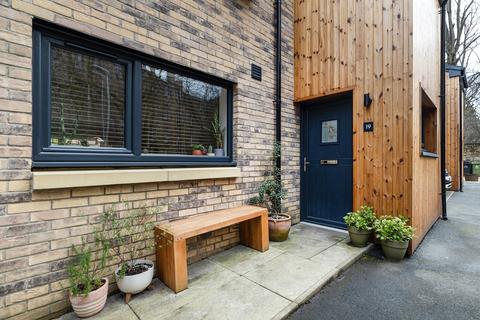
(454, 102)
(385, 48)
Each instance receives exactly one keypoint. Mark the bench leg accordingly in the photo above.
(254, 233)
(172, 263)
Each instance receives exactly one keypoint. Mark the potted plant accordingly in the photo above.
(210, 151)
(270, 195)
(198, 150)
(360, 225)
(131, 234)
(394, 234)
(218, 133)
(87, 289)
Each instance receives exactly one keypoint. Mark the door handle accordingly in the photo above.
(329, 162)
(305, 163)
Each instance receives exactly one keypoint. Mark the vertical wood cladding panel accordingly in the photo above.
(367, 46)
(453, 96)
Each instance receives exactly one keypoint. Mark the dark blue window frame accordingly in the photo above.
(44, 155)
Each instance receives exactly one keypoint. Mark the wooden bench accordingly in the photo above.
(171, 247)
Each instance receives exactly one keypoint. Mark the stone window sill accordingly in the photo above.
(88, 178)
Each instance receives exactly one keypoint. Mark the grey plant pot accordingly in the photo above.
(219, 152)
(358, 237)
(394, 250)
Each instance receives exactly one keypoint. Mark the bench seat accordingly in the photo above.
(171, 247)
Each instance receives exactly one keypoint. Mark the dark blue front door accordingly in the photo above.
(327, 176)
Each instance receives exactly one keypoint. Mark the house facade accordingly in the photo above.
(191, 58)
(102, 102)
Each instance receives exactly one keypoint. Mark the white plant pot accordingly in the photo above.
(135, 283)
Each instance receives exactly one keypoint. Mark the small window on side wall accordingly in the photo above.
(428, 126)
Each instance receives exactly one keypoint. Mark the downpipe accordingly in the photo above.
(442, 108)
(278, 81)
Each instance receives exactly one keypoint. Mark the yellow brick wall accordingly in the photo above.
(222, 38)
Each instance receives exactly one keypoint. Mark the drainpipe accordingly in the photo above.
(460, 112)
(442, 108)
(278, 78)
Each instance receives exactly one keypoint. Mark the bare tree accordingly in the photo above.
(462, 44)
(463, 31)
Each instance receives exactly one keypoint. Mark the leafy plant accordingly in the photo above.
(198, 147)
(84, 273)
(362, 219)
(210, 149)
(217, 131)
(393, 228)
(129, 236)
(271, 191)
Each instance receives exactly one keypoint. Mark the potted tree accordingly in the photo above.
(87, 289)
(360, 225)
(394, 234)
(270, 195)
(218, 133)
(198, 150)
(130, 235)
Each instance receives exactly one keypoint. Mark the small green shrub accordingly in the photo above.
(362, 219)
(198, 147)
(86, 268)
(129, 235)
(271, 191)
(393, 228)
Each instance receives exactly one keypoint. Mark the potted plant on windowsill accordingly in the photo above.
(87, 289)
(270, 195)
(360, 225)
(395, 234)
(131, 235)
(198, 150)
(218, 133)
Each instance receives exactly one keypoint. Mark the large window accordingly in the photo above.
(96, 104)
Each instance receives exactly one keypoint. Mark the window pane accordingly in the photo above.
(87, 100)
(179, 112)
(329, 131)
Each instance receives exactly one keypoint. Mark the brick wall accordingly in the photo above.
(219, 37)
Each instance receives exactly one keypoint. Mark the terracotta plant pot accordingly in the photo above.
(197, 152)
(135, 283)
(358, 237)
(279, 227)
(394, 250)
(91, 304)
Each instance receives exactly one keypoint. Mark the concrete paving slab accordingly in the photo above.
(302, 246)
(241, 259)
(115, 309)
(237, 299)
(203, 276)
(307, 230)
(287, 275)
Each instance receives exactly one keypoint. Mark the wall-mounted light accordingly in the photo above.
(367, 101)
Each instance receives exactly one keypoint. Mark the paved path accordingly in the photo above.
(441, 281)
(242, 283)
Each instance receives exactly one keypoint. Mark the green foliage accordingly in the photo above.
(362, 219)
(393, 228)
(217, 131)
(198, 147)
(210, 149)
(271, 192)
(84, 271)
(129, 234)
(66, 138)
